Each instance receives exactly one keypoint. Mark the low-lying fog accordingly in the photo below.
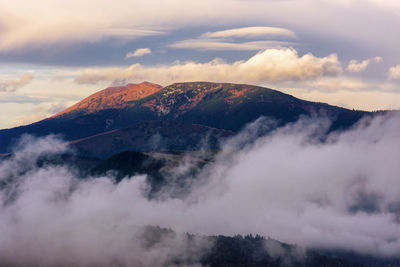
(341, 193)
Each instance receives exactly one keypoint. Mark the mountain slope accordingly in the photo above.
(217, 105)
(231, 106)
(112, 97)
(150, 136)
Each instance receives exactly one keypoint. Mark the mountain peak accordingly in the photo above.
(111, 97)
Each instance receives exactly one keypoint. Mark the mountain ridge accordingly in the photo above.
(111, 97)
(224, 106)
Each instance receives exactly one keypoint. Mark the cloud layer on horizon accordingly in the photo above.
(266, 66)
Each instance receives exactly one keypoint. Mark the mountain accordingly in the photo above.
(231, 106)
(112, 97)
(151, 136)
(217, 105)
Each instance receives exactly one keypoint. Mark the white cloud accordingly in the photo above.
(12, 85)
(394, 72)
(278, 65)
(251, 32)
(342, 194)
(207, 44)
(128, 33)
(355, 66)
(138, 53)
(223, 40)
(82, 232)
(317, 189)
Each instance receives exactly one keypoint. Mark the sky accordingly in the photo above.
(54, 53)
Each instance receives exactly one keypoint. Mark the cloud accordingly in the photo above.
(138, 53)
(24, 26)
(129, 33)
(13, 85)
(327, 195)
(251, 32)
(341, 194)
(59, 220)
(222, 40)
(348, 92)
(355, 66)
(394, 72)
(269, 65)
(204, 44)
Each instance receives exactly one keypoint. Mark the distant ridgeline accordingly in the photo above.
(143, 116)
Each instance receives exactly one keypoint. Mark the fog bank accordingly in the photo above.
(342, 193)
